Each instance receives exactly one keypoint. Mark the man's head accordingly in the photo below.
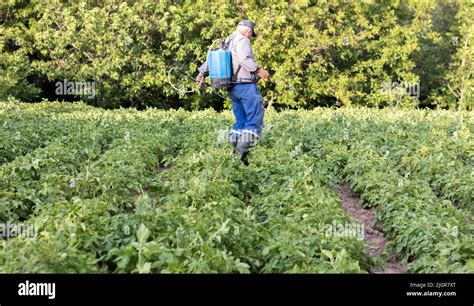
(246, 28)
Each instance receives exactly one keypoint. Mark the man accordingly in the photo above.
(243, 91)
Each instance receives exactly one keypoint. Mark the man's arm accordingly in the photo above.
(204, 68)
(203, 72)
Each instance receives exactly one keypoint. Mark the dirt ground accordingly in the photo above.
(373, 237)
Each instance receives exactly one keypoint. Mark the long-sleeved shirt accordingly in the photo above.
(242, 55)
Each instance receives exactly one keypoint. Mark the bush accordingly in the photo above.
(339, 53)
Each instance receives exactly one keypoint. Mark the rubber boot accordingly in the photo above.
(246, 141)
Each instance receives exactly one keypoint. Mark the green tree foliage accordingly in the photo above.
(458, 89)
(338, 53)
(15, 67)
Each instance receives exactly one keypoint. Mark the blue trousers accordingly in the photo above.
(247, 108)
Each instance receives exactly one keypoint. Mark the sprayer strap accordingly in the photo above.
(234, 75)
(225, 46)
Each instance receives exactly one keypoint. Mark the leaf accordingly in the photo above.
(145, 268)
(142, 234)
(328, 254)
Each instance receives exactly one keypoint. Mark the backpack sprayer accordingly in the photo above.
(219, 61)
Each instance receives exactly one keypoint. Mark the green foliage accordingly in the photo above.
(458, 89)
(318, 52)
(126, 191)
(15, 69)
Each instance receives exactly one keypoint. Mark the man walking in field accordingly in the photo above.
(243, 91)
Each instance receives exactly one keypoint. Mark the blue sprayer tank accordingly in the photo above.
(220, 67)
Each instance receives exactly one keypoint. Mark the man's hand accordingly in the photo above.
(262, 73)
(200, 79)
